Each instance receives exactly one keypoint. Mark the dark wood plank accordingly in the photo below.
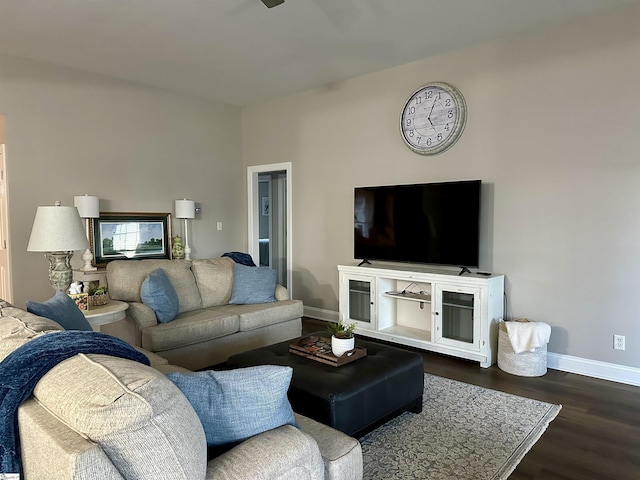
(595, 436)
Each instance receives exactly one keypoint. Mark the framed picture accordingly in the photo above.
(121, 236)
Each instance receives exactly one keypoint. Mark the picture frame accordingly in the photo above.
(122, 236)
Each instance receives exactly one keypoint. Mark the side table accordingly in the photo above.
(99, 275)
(112, 311)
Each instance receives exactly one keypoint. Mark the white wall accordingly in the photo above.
(136, 148)
(553, 131)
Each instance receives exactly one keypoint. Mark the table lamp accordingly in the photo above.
(186, 209)
(88, 208)
(58, 231)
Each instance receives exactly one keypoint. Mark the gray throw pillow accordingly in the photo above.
(234, 405)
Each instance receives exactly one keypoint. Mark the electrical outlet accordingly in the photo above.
(219, 226)
(618, 342)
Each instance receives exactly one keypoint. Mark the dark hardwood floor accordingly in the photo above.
(595, 436)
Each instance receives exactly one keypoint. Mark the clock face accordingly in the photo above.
(433, 118)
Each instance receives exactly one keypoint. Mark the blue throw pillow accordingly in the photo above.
(253, 285)
(234, 405)
(158, 293)
(61, 309)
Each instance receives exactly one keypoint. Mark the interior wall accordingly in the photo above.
(552, 131)
(136, 148)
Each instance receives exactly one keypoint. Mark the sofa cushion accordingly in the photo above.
(125, 278)
(253, 285)
(158, 293)
(141, 420)
(17, 330)
(214, 277)
(189, 328)
(261, 315)
(234, 405)
(61, 309)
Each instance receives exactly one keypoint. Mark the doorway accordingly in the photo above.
(269, 216)
(6, 287)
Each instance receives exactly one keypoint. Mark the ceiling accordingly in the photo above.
(240, 52)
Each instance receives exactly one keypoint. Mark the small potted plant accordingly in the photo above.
(342, 339)
(98, 295)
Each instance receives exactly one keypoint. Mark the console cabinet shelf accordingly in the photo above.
(434, 310)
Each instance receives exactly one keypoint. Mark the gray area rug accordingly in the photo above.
(463, 432)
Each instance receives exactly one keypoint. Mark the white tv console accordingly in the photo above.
(434, 310)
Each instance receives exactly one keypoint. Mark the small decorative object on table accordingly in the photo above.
(319, 349)
(75, 292)
(342, 339)
(178, 248)
(98, 295)
(80, 299)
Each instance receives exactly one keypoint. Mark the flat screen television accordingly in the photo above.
(431, 223)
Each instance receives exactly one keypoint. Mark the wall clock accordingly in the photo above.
(433, 118)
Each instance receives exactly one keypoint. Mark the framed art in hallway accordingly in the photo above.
(121, 236)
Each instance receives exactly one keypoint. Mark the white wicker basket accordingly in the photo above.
(526, 364)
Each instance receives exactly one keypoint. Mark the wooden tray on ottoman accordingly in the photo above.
(319, 349)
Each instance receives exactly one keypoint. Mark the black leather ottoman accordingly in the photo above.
(354, 398)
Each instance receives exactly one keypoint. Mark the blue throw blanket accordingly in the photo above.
(22, 368)
(241, 258)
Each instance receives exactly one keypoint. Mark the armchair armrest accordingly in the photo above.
(284, 452)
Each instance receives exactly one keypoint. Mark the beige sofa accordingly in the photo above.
(207, 329)
(101, 417)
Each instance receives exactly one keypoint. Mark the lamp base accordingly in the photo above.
(60, 275)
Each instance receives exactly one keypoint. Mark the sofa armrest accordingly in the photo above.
(281, 293)
(284, 452)
(154, 359)
(342, 454)
(52, 449)
(138, 317)
(141, 315)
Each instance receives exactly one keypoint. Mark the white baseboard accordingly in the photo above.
(321, 314)
(594, 368)
(556, 361)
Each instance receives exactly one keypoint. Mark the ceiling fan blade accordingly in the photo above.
(272, 3)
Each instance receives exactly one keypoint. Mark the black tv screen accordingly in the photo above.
(433, 223)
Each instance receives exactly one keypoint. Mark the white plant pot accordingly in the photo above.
(341, 345)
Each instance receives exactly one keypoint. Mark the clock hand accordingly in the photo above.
(430, 112)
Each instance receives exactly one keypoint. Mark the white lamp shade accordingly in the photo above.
(57, 229)
(185, 208)
(88, 206)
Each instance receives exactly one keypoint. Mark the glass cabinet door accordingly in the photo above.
(358, 300)
(457, 316)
